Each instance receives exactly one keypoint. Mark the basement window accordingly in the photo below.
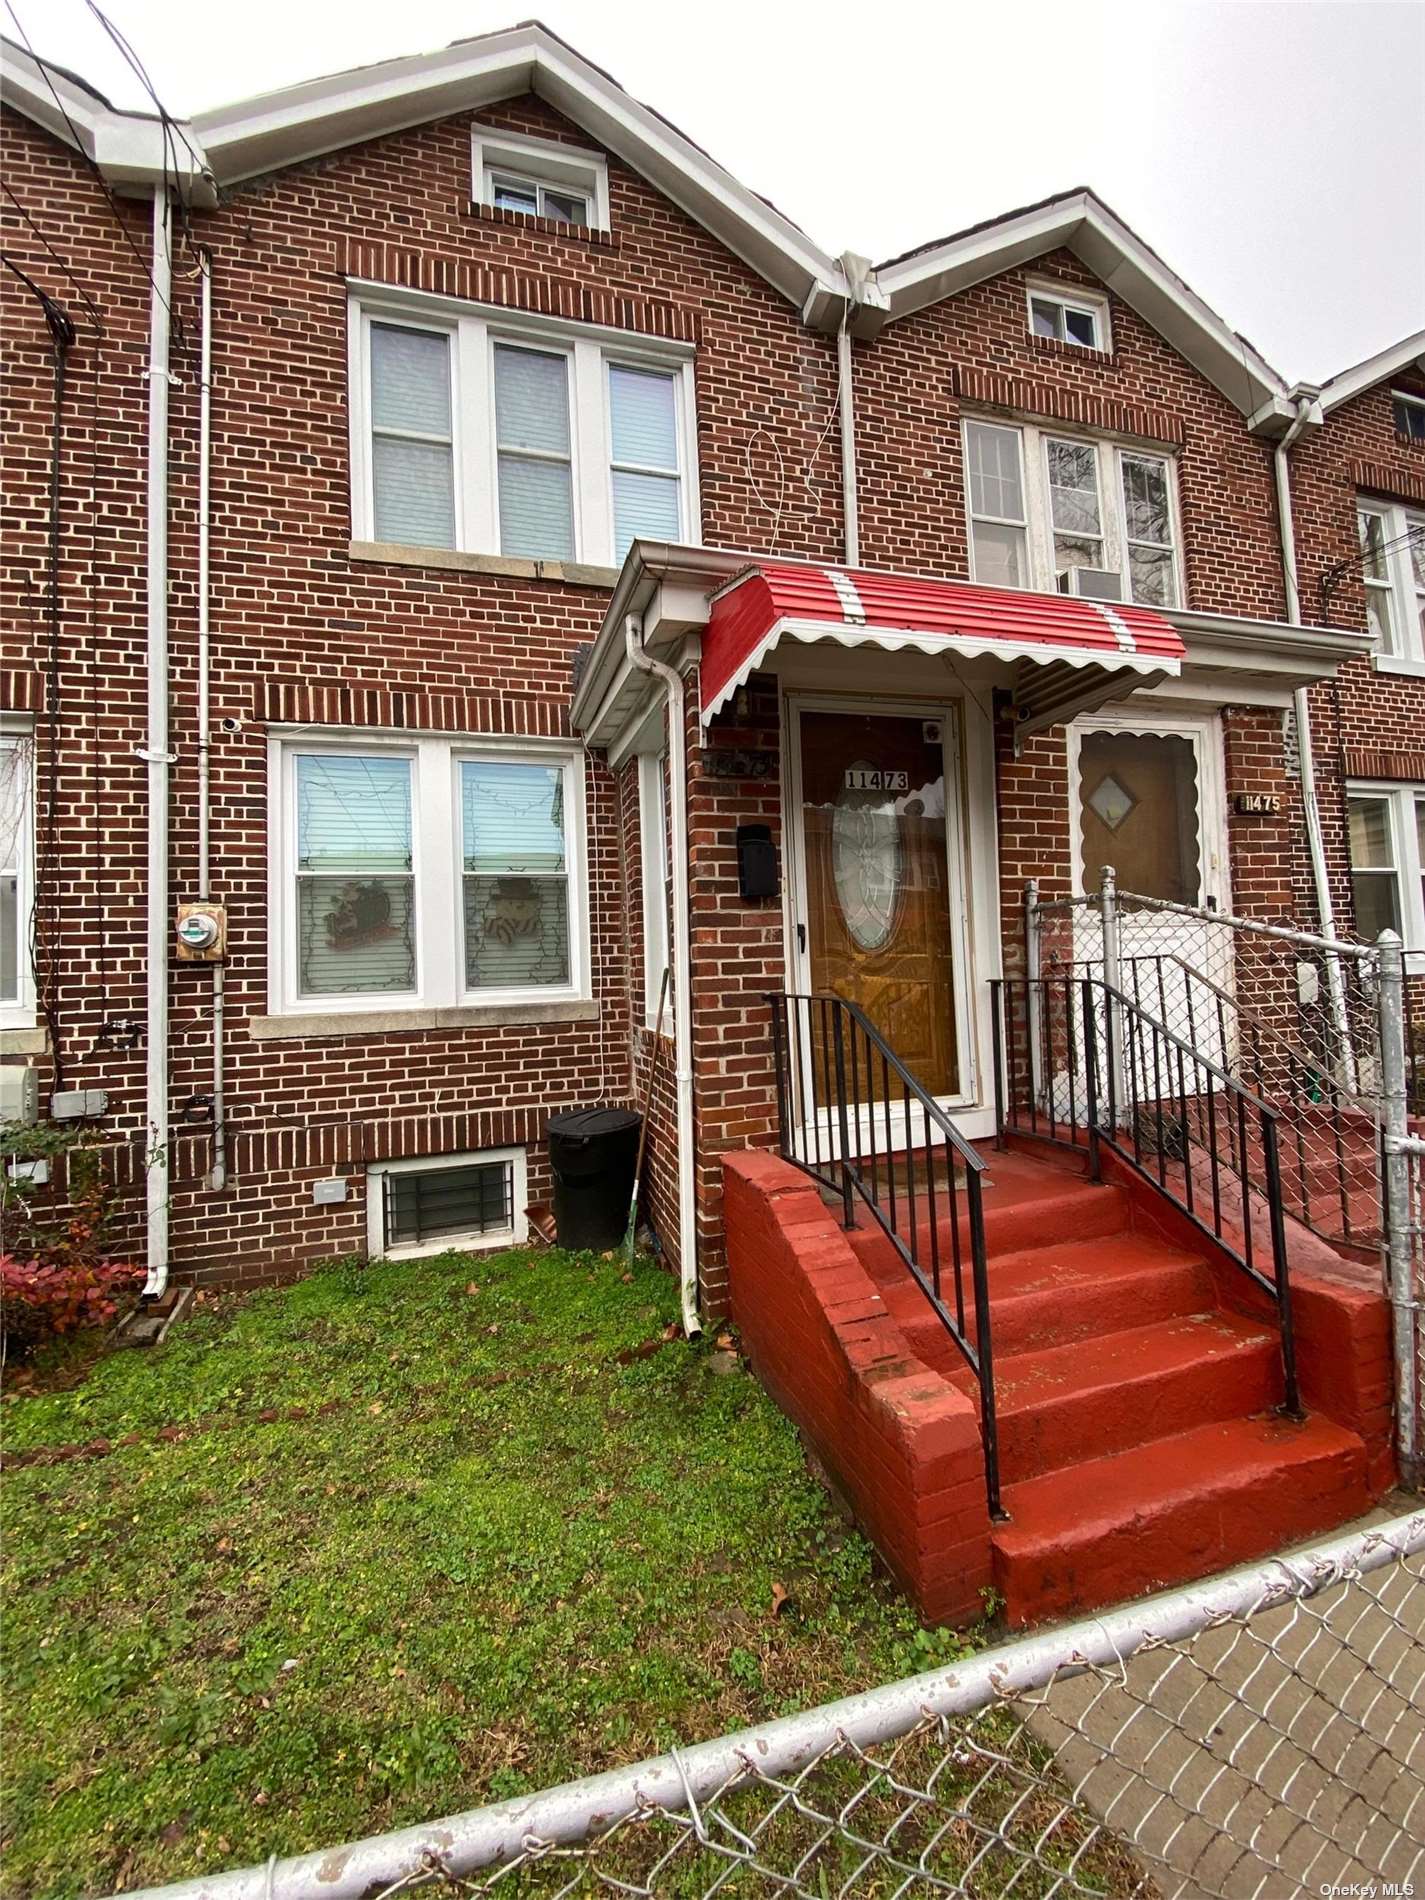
(442, 1202)
(543, 177)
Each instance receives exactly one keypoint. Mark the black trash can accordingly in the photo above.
(593, 1153)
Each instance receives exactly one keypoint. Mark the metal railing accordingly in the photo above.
(1254, 1734)
(1080, 1062)
(853, 1116)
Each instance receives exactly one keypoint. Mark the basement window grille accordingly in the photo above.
(428, 1206)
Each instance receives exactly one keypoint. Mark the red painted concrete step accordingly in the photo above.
(1171, 1510)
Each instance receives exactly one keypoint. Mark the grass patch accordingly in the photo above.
(395, 1541)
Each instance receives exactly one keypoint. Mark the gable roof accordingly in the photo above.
(1408, 353)
(1118, 257)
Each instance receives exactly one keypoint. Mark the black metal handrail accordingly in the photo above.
(1079, 1062)
(837, 1077)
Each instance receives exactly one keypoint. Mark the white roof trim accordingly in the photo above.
(322, 115)
(1119, 259)
(128, 147)
(1409, 353)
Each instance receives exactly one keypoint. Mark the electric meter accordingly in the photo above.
(202, 932)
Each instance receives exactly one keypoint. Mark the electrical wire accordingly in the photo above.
(73, 281)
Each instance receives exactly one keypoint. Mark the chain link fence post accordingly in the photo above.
(1113, 977)
(1400, 1250)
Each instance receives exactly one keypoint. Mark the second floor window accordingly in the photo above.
(1408, 413)
(1393, 573)
(1043, 504)
(486, 435)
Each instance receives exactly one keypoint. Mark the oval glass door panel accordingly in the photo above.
(866, 856)
(879, 918)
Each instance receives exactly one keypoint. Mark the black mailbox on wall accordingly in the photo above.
(756, 863)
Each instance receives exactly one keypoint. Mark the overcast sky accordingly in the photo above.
(1272, 151)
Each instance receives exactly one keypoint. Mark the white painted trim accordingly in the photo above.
(1399, 524)
(1410, 350)
(436, 848)
(1401, 797)
(474, 331)
(543, 161)
(17, 753)
(513, 1236)
(1091, 303)
(972, 878)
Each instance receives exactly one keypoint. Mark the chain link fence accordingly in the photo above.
(1260, 1735)
(1293, 1018)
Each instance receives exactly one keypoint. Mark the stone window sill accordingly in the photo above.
(399, 1022)
(396, 554)
(24, 1042)
(1391, 663)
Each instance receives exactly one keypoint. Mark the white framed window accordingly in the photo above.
(544, 177)
(1408, 413)
(17, 880)
(490, 433)
(1392, 541)
(425, 873)
(1043, 502)
(1386, 836)
(439, 1203)
(653, 842)
(1077, 317)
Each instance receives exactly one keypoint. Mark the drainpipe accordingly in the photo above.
(218, 1175)
(682, 966)
(855, 271)
(157, 757)
(1311, 808)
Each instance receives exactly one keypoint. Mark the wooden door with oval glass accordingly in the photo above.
(1149, 800)
(880, 908)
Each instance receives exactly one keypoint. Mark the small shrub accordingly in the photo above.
(40, 1299)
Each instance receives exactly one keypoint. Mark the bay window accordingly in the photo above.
(1043, 503)
(489, 434)
(425, 874)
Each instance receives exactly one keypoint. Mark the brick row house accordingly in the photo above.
(468, 555)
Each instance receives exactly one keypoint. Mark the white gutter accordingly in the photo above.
(1306, 758)
(218, 1174)
(682, 966)
(157, 756)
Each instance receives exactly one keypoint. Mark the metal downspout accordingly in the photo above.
(682, 966)
(158, 759)
(1311, 808)
(218, 1175)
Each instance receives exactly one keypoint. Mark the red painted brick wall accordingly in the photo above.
(901, 1443)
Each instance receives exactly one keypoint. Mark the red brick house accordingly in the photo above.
(495, 557)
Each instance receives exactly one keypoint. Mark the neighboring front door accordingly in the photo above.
(1149, 801)
(880, 905)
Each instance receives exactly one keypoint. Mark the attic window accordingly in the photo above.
(540, 177)
(1079, 320)
(1409, 414)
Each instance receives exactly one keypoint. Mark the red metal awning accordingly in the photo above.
(1061, 647)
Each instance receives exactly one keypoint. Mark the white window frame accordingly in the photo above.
(1082, 302)
(1406, 653)
(437, 852)
(474, 330)
(513, 1236)
(1400, 800)
(1034, 439)
(1411, 402)
(17, 753)
(653, 857)
(539, 162)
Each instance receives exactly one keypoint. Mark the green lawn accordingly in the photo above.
(394, 1541)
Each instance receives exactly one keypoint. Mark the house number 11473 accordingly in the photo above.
(870, 778)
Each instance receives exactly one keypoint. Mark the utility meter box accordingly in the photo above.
(19, 1095)
(202, 933)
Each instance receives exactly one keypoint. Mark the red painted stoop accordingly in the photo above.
(1137, 1376)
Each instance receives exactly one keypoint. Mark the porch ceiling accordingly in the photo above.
(1068, 655)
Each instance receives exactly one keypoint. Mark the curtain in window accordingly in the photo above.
(412, 466)
(515, 875)
(532, 438)
(355, 882)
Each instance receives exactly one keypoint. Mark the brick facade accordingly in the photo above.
(309, 632)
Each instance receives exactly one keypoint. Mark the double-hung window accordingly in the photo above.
(1387, 844)
(544, 201)
(1043, 503)
(1067, 318)
(542, 177)
(17, 994)
(521, 437)
(1392, 566)
(425, 874)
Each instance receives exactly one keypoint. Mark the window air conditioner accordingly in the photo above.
(1091, 583)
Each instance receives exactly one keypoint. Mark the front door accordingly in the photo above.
(881, 909)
